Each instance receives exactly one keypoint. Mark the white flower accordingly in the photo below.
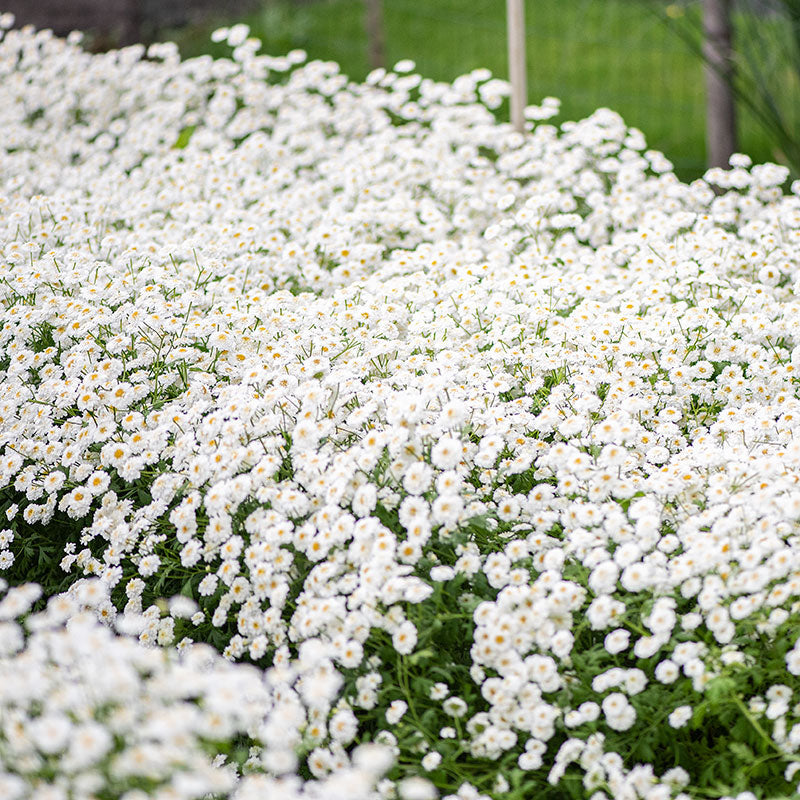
(182, 607)
(793, 660)
(237, 34)
(662, 618)
(149, 565)
(622, 721)
(51, 732)
(614, 704)
(561, 643)
(395, 712)
(343, 726)
(208, 585)
(691, 620)
(508, 509)
(405, 65)
(417, 478)
(636, 577)
(89, 742)
(635, 681)
(603, 577)
(441, 573)
(404, 639)
(448, 483)
(416, 788)
(306, 435)
(530, 760)
(589, 710)
(680, 716)
(505, 202)
(667, 671)
(413, 510)
(446, 453)
(447, 509)
(617, 641)
(364, 500)
(647, 646)
(603, 610)
(455, 412)
(454, 707)
(439, 691)
(373, 758)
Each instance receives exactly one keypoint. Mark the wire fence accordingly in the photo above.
(589, 53)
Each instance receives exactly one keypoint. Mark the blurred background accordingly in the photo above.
(642, 58)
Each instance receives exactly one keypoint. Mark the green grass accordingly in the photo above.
(589, 53)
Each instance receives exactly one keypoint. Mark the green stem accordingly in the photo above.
(740, 704)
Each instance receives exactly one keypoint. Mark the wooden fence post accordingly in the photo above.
(374, 26)
(517, 72)
(720, 104)
(132, 24)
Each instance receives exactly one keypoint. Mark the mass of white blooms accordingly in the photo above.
(89, 713)
(480, 446)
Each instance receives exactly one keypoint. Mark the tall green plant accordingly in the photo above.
(766, 78)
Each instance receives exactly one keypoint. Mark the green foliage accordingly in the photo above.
(766, 77)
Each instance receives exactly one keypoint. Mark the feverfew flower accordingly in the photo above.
(404, 639)
(79, 722)
(417, 478)
(417, 789)
(680, 716)
(617, 641)
(395, 712)
(446, 453)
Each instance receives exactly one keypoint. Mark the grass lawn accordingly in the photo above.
(589, 53)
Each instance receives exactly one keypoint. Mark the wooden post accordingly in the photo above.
(720, 105)
(132, 29)
(374, 26)
(517, 72)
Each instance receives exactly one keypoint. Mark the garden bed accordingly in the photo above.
(360, 445)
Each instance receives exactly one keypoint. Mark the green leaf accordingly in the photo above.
(421, 655)
(720, 689)
(741, 751)
(183, 137)
(698, 716)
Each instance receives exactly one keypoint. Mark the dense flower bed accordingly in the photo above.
(479, 446)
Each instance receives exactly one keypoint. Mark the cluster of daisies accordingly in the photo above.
(89, 711)
(366, 448)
